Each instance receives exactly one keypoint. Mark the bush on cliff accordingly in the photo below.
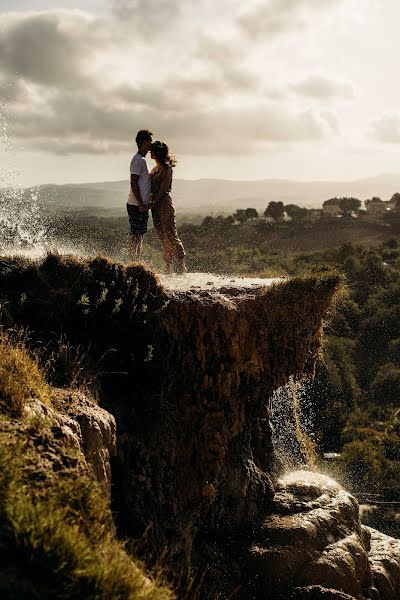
(63, 299)
(20, 375)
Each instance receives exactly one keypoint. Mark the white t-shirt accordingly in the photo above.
(139, 167)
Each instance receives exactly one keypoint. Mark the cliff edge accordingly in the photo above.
(187, 373)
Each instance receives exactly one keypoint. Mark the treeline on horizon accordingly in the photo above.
(277, 211)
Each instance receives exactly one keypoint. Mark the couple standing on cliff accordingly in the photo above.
(151, 191)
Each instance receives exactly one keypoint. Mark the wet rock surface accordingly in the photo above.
(211, 282)
(313, 546)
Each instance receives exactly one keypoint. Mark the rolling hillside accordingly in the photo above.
(218, 195)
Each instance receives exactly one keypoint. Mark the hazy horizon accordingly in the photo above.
(379, 176)
(216, 195)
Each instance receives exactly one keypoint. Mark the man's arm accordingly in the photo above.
(136, 192)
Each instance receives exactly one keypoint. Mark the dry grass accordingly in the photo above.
(72, 366)
(20, 375)
(57, 528)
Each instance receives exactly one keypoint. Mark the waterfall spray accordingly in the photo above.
(22, 227)
(291, 434)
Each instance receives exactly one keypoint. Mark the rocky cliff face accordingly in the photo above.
(187, 374)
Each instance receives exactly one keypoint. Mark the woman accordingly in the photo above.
(163, 210)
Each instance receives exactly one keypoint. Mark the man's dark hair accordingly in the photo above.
(144, 135)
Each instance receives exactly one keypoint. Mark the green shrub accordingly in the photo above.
(363, 465)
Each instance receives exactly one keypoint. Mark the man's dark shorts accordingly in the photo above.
(137, 220)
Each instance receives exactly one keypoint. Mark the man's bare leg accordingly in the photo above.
(135, 246)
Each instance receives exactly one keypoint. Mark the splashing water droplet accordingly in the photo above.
(22, 226)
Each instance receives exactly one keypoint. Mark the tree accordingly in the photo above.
(229, 221)
(386, 386)
(240, 215)
(348, 205)
(296, 213)
(208, 222)
(396, 199)
(392, 218)
(251, 213)
(243, 215)
(275, 210)
(362, 461)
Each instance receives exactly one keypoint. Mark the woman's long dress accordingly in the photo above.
(163, 213)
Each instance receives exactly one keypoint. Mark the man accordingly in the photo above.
(139, 200)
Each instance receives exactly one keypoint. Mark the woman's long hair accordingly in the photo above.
(162, 154)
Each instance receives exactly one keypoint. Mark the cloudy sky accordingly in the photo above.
(297, 89)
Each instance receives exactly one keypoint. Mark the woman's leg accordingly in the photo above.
(173, 247)
(157, 214)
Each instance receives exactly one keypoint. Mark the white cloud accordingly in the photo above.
(50, 48)
(12, 90)
(149, 17)
(322, 88)
(70, 121)
(386, 129)
(275, 17)
(199, 91)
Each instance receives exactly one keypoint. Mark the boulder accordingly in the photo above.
(313, 537)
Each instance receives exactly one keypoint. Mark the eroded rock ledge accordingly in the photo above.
(188, 374)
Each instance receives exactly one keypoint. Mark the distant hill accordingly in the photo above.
(218, 195)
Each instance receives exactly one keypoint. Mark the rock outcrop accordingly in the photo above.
(384, 557)
(91, 429)
(188, 374)
(57, 537)
(313, 543)
(313, 537)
